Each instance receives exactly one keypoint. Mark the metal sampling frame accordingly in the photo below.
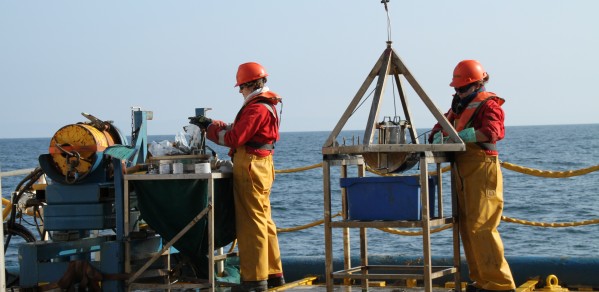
(334, 154)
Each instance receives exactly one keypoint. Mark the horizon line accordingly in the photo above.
(304, 131)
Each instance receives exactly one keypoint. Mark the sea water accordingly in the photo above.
(297, 198)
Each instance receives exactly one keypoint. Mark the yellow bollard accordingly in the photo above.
(551, 284)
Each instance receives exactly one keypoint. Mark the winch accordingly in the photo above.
(76, 150)
(81, 196)
(86, 162)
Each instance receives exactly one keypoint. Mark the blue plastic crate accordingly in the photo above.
(386, 198)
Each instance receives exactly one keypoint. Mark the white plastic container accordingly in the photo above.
(165, 168)
(177, 168)
(203, 167)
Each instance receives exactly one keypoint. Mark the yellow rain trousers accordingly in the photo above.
(479, 185)
(258, 245)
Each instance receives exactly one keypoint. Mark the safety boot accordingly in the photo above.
(276, 280)
(251, 286)
(470, 287)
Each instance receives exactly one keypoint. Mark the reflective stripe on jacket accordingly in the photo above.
(489, 119)
(465, 119)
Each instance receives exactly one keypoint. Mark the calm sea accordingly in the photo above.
(297, 198)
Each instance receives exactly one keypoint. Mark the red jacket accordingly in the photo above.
(256, 123)
(489, 120)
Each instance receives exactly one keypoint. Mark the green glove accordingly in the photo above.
(468, 135)
(437, 138)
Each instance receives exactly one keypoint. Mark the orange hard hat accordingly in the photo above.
(249, 72)
(466, 72)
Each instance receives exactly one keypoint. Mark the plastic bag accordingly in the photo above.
(181, 143)
(195, 136)
(163, 148)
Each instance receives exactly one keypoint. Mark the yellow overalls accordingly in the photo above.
(479, 185)
(259, 254)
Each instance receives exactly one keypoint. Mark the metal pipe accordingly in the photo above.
(16, 172)
(571, 271)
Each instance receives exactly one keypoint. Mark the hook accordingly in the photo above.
(385, 3)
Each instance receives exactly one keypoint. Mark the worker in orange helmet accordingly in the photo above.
(477, 116)
(251, 139)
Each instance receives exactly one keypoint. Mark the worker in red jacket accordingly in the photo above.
(477, 116)
(251, 139)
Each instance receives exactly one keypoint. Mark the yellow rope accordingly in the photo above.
(549, 224)
(548, 173)
(444, 169)
(507, 165)
(299, 168)
(414, 233)
(306, 226)
(447, 226)
(503, 218)
(504, 164)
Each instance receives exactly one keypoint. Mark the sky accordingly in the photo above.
(61, 58)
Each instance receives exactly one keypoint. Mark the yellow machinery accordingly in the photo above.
(76, 150)
(85, 164)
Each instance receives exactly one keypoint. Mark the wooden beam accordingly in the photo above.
(378, 95)
(427, 101)
(354, 103)
(406, 110)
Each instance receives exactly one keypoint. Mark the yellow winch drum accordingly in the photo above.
(77, 149)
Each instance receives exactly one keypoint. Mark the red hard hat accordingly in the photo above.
(249, 72)
(466, 72)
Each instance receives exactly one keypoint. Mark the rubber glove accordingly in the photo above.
(200, 121)
(468, 135)
(437, 138)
